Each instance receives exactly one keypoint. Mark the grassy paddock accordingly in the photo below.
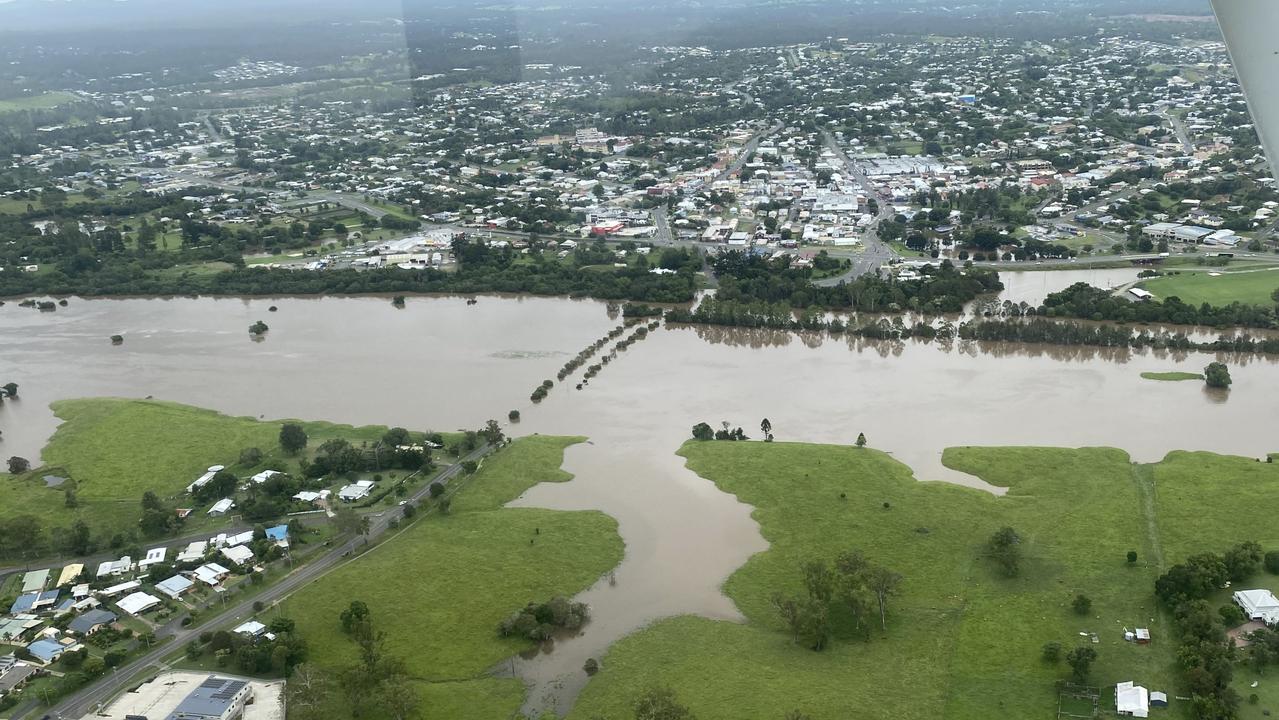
(963, 641)
(440, 588)
(1197, 287)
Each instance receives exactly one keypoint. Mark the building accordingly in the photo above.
(205, 478)
(358, 491)
(174, 586)
(211, 573)
(91, 622)
(221, 507)
(215, 699)
(1132, 700)
(46, 650)
(1142, 295)
(138, 603)
(252, 628)
(13, 673)
(35, 581)
(115, 567)
(1158, 699)
(69, 574)
(193, 552)
(278, 535)
(154, 555)
(1259, 605)
(238, 554)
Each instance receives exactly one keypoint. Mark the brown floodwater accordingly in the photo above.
(1032, 286)
(441, 364)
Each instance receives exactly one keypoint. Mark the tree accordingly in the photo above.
(395, 437)
(1217, 375)
(1243, 561)
(258, 328)
(1080, 661)
(1052, 652)
(11, 389)
(18, 465)
(861, 440)
(1082, 604)
(1004, 548)
(347, 520)
(78, 539)
(398, 698)
(883, 583)
(660, 703)
(355, 614)
(703, 431)
(492, 433)
(292, 438)
(1132, 557)
(250, 457)
(766, 428)
(1272, 562)
(307, 694)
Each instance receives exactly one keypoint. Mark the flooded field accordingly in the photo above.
(441, 364)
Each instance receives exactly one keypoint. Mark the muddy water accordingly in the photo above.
(441, 364)
(1033, 286)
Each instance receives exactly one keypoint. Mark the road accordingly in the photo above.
(875, 252)
(1179, 129)
(747, 150)
(88, 698)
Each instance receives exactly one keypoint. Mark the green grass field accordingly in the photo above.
(36, 102)
(1172, 376)
(962, 640)
(440, 588)
(1197, 287)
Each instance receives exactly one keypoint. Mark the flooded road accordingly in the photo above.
(441, 364)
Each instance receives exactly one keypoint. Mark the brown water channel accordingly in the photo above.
(441, 364)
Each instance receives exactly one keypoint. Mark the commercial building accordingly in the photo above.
(197, 696)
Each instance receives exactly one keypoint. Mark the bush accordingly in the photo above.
(1082, 604)
(1052, 652)
(1272, 562)
(1231, 616)
(1132, 557)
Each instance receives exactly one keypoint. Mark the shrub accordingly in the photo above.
(1082, 604)
(1272, 562)
(1052, 652)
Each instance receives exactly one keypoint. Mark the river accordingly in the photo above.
(441, 364)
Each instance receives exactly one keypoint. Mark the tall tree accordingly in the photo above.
(660, 703)
(883, 583)
(292, 438)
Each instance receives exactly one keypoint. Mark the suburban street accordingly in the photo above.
(746, 151)
(875, 252)
(174, 637)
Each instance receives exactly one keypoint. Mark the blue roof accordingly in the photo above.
(48, 597)
(23, 603)
(46, 650)
(279, 532)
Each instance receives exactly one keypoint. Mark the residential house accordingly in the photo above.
(138, 603)
(1132, 700)
(1259, 605)
(91, 622)
(174, 586)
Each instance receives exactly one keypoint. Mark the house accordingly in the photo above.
(12, 630)
(358, 491)
(252, 628)
(193, 552)
(23, 603)
(238, 554)
(115, 567)
(91, 622)
(69, 574)
(205, 478)
(138, 603)
(1132, 700)
(80, 591)
(1142, 295)
(278, 535)
(35, 581)
(13, 674)
(154, 555)
(120, 589)
(211, 573)
(46, 600)
(264, 476)
(221, 507)
(46, 650)
(1259, 605)
(174, 586)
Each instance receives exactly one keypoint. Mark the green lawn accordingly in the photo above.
(114, 450)
(1197, 287)
(962, 640)
(1172, 376)
(440, 588)
(36, 102)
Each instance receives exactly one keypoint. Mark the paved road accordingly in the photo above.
(747, 150)
(1179, 129)
(87, 699)
(875, 252)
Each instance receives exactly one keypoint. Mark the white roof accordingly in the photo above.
(252, 627)
(240, 539)
(81, 590)
(1259, 605)
(210, 573)
(1132, 700)
(238, 554)
(222, 506)
(122, 587)
(138, 602)
(154, 555)
(264, 476)
(194, 551)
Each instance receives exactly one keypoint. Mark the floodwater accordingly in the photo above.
(1032, 286)
(441, 364)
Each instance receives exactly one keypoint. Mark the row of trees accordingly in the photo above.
(1207, 657)
(1086, 302)
(851, 586)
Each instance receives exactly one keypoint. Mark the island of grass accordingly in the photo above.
(963, 640)
(1172, 376)
(111, 451)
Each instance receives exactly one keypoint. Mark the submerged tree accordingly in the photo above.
(1217, 375)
